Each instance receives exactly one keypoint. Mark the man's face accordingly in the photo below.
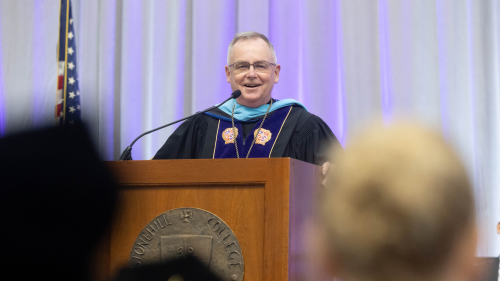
(255, 87)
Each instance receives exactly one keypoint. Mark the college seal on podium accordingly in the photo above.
(190, 231)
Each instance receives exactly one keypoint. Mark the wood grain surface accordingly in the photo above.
(251, 195)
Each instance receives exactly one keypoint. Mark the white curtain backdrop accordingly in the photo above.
(146, 63)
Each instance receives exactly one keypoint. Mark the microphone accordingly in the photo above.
(127, 153)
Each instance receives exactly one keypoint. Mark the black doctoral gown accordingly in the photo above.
(304, 136)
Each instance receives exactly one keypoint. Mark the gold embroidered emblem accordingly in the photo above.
(228, 135)
(263, 137)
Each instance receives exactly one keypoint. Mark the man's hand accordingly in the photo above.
(324, 171)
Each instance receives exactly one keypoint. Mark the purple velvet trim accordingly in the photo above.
(273, 124)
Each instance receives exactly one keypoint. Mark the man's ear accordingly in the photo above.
(228, 74)
(277, 73)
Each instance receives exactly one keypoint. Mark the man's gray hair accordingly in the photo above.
(247, 36)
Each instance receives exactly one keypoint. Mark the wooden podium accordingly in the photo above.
(265, 201)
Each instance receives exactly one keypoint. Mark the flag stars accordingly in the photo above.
(71, 108)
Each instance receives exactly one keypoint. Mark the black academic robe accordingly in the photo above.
(304, 136)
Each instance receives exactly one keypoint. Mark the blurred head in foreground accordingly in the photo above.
(398, 206)
(56, 202)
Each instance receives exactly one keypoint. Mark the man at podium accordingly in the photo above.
(254, 125)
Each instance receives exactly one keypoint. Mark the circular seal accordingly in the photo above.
(190, 231)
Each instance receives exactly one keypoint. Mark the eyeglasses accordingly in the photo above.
(258, 66)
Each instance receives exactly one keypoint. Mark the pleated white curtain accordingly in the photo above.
(146, 63)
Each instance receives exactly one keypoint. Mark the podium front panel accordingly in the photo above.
(252, 196)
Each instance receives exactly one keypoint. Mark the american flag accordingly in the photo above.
(68, 96)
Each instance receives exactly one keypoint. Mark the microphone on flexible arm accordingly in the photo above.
(127, 153)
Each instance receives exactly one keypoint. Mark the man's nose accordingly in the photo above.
(251, 71)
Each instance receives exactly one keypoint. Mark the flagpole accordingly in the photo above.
(65, 62)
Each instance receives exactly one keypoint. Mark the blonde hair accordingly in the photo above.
(398, 200)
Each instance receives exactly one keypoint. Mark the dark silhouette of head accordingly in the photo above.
(57, 200)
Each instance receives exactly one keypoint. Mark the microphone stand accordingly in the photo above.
(127, 153)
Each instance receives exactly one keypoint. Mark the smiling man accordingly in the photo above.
(254, 125)
(256, 83)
